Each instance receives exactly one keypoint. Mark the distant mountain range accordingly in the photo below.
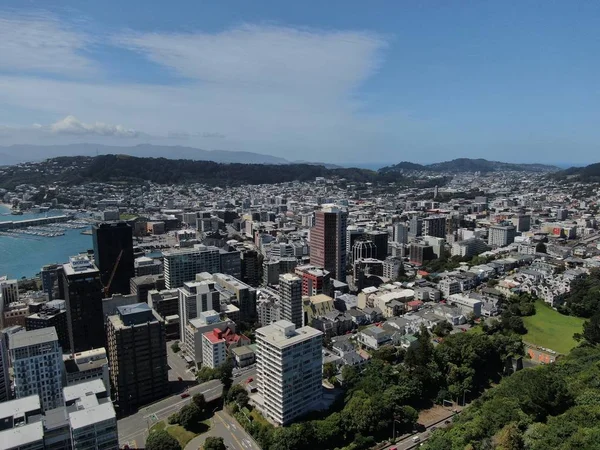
(587, 173)
(16, 154)
(469, 165)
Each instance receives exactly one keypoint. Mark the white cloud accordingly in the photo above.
(71, 125)
(39, 43)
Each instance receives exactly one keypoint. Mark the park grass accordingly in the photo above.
(159, 426)
(182, 435)
(550, 329)
(257, 417)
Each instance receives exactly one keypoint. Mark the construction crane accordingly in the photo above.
(112, 275)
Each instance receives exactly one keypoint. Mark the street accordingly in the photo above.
(225, 426)
(177, 365)
(133, 429)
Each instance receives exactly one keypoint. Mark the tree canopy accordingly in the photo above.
(161, 440)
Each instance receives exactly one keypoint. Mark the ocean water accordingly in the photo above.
(24, 256)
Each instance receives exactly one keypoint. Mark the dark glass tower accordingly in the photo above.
(113, 242)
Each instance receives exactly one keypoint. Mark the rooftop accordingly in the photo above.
(283, 333)
(33, 337)
(23, 435)
(19, 406)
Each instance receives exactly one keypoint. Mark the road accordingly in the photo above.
(178, 366)
(408, 442)
(133, 429)
(225, 426)
(244, 374)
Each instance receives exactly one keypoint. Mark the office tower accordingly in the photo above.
(437, 245)
(501, 236)
(251, 267)
(214, 348)
(165, 302)
(183, 265)
(137, 355)
(146, 266)
(290, 289)
(140, 286)
(400, 233)
(314, 280)
(37, 364)
(113, 253)
(5, 392)
(92, 417)
(289, 365)
(328, 241)
(353, 233)
(522, 222)
(363, 249)
(52, 314)
(380, 239)
(83, 293)
(230, 263)
(245, 295)
(419, 253)
(9, 292)
(434, 226)
(415, 227)
(196, 297)
(85, 366)
(51, 275)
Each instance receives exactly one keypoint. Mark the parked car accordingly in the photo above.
(185, 394)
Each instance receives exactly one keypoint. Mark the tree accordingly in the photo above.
(591, 330)
(385, 353)
(225, 374)
(329, 370)
(214, 443)
(442, 329)
(237, 394)
(161, 440)
(199, 401)
(206, 374)
(175, 347)
(190, 416)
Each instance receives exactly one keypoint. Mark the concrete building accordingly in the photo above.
(466, 304)
(415, 227)
(289, 365)
(363, 249)
(146, 266)
(380, 239)
(182, 265)
(50, 274)
(230, 263)
(434, 226)
(214, 349)
(245, 295)
(22, 427)
(501, 236)
(469, 247)
(37, 365)
(137, 354)
(328, 241)
(165, 302)
(420, 253)
(83, 290)
(392, 268)
(522, 222)
(353, 233)
(51, 314)
(110, 304)
(92, 418)
(9, 292)
(290, 288)
(196, 297)
(87, 366)
(400, 233)
(140, 286)
(314, 280)
(195, 329)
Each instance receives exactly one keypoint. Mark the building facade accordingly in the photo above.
(181, 266)
(328, 241)
(113, 253)
(290, 289)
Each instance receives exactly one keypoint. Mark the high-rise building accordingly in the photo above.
(5, 391)
(434, 226)
(419, 253)
(353, 233)
(182, 265)
(415, 227)
(522, 222)
(83, 290)
(9, 292)
(51, 275)
(290, 289)
(52, 314)
(195, 329)
(140, 286)
(113, 253)
(196, 297)
(501, 236)
(85, 366)
(146, 266)
(363, 249)
(328, 241)
(400, 233)
(230, 263)
(37, 365)
(251, 267)
(214, 348)
(314, 280)
(137, 355)
(380, 239)
(289, 365)
(245, 295)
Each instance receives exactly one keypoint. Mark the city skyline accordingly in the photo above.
(329, 83)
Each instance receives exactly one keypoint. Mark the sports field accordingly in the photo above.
(550, 329)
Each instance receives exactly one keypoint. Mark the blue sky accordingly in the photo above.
(345, 82)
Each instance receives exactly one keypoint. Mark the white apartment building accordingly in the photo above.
(214, 349)
(469, 247)
(9, 291)
(449, 286)
(196, 297)
(92, 417)
(290, 288)
(37, 364)
(501, 236)
(183, 265)
(466, 304)
(86, 366)
(206, 321)
(289, 364)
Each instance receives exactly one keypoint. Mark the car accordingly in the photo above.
(185, 394)
(447, 422)
(179, 379)
(250, 380)
(416, 439)
(393, 448)
(420, 427)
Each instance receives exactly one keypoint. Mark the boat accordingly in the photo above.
(16, 212)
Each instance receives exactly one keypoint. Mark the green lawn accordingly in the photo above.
(550, 329)
(181, 434)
